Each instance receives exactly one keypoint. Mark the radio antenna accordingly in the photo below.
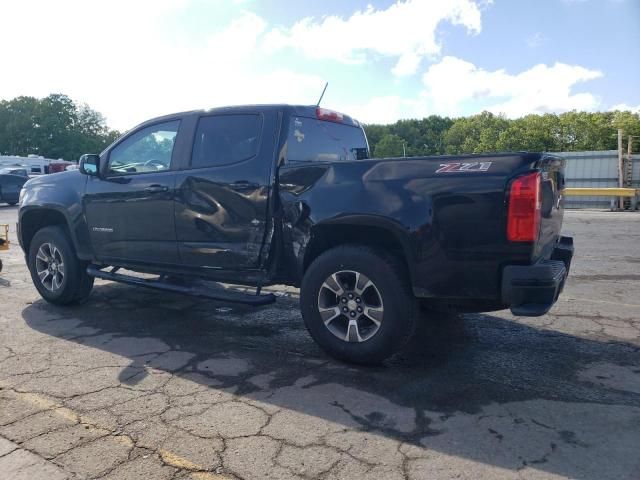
(322, 94)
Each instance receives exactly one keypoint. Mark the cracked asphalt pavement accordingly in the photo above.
(143, 384)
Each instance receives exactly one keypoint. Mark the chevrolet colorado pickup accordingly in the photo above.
(278, 194)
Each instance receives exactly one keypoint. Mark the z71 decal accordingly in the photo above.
(455, 167)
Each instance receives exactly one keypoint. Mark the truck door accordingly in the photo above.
(130, 211)
(222, 193)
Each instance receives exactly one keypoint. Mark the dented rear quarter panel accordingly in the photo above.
(451, 224)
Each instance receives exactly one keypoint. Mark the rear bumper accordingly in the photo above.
(531, 290)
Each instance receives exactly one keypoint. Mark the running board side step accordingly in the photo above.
(193, 290)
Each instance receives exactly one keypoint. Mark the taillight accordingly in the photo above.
(523, 222)
(329, 115)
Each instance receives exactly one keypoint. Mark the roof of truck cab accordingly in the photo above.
(298, 110)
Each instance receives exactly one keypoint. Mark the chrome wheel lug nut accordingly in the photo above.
(360, 309)
(351, 295)
(345, 309)
(344, 299)
(358, 300)
(353, 314)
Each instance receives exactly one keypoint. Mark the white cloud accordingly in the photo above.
(137, 65)
(454, 87)
(536, 40)
(405, 31)
(237, 43)
(452, 83)
(625, 107)
(386, 109)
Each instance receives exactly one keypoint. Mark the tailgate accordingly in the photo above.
(552, 192)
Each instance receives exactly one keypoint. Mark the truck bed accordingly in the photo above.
(449, 212)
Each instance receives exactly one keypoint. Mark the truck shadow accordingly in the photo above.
(479, 387)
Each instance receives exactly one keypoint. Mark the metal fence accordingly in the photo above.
(595, 169)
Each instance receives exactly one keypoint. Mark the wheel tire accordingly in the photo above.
(75, 285)
(390, 282)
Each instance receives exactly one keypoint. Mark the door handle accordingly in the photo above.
(156, 189)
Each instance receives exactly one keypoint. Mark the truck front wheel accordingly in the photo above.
(57, 273)
(357, 304)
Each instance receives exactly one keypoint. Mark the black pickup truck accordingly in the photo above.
(278, 194)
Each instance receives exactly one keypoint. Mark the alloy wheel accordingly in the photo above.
(350, 306)
(50, 266)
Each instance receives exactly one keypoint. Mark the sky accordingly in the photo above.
(384, 60)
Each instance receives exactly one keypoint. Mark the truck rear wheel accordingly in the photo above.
(357, 304)
(57, 273)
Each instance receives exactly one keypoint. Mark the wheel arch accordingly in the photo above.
(377, 233)
(333, 321)
(33, 220)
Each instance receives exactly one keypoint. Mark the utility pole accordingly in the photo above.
(404, 150)
(620, 167)
(628, 173)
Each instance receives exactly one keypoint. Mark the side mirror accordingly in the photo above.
(90, 164)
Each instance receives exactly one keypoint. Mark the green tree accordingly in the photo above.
(629, 122)
(409, 132)
(54, 127)
(390, 145)
(475, 134)
(486, 132)
(374, 134)
(586, 131)
(432, 132)
(57, 127)
(533, 133)
(19, 123)
(422, 137)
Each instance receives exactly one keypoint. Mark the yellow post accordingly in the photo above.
(4, 237)
(600, 192)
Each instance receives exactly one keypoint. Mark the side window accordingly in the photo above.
(224, 139)
(313, 140)
(147, 150)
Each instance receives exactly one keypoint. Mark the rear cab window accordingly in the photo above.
(226, 139)
(315, 140)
